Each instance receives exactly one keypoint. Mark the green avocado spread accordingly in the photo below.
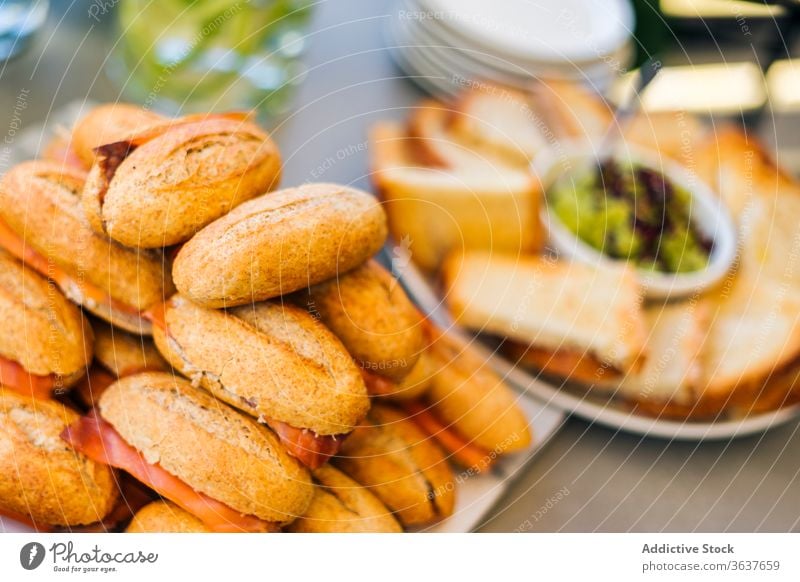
(631, 212)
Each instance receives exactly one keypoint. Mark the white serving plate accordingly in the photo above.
(608, 413)
(475, 494)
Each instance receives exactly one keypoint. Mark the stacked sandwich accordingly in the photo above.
(459, 189)
(241, 362)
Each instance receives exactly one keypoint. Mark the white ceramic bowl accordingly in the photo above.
(708, 214)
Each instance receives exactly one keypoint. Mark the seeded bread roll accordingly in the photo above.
(185, 176)
(43, 224)
(279, 243)
(108, 123)
(271, 361)
(165, 517)
(340, 505)
(42, 331)
(40, 476)
(401, 465)
(369, 311)
(207, 445)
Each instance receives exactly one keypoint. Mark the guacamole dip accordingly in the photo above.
(631, 212)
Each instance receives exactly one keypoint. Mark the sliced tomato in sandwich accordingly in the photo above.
(98, 440)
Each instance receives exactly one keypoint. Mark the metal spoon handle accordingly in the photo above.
(629, 105)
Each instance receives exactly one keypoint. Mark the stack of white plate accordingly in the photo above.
(446, 44)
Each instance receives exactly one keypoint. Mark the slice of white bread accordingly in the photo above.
(551, 305)
(436, 210)
(672, 373)
(754, 334)
(501, 120)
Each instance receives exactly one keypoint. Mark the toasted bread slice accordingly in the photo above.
(550, 305)
(675, 334)
(754, 334)
(439, 209)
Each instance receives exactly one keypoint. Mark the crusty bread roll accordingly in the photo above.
(41, 201)
(416, 382)
(42, 331)
(163, 191)
(470, 398)
(279, 243)
(340, 505)
(370, 313)
(272, 361)
(123, 353)
(401, 465)
(165, 517)
(108, 123)
(40, 476)
(207, 445)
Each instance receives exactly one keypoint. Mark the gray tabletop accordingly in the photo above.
(587, 478)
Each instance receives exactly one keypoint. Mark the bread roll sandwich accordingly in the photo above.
(45, 342)
(401, 465)
(472, 413)
(436, 208)
(42, 223)
(571, 320)
(43, 482)
(165, 517)
(274, 362)
(159, 187)
(217, 464)
(340, 505)
(367, 309)
(117, 353)
(279, 243)
(108, 123)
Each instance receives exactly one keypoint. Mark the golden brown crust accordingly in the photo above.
(42, 330)
(40, 476)
(467, 395)
(41, 200)
(165, 517)
(401, 465)
(176, 183)
(269, 360)
(208, 445)
(416, 382)
(280, 243)
(108, 123)
(123, 353)
(340, 505)
(370, 313)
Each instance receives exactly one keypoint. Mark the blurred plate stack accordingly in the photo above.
(445, 45)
